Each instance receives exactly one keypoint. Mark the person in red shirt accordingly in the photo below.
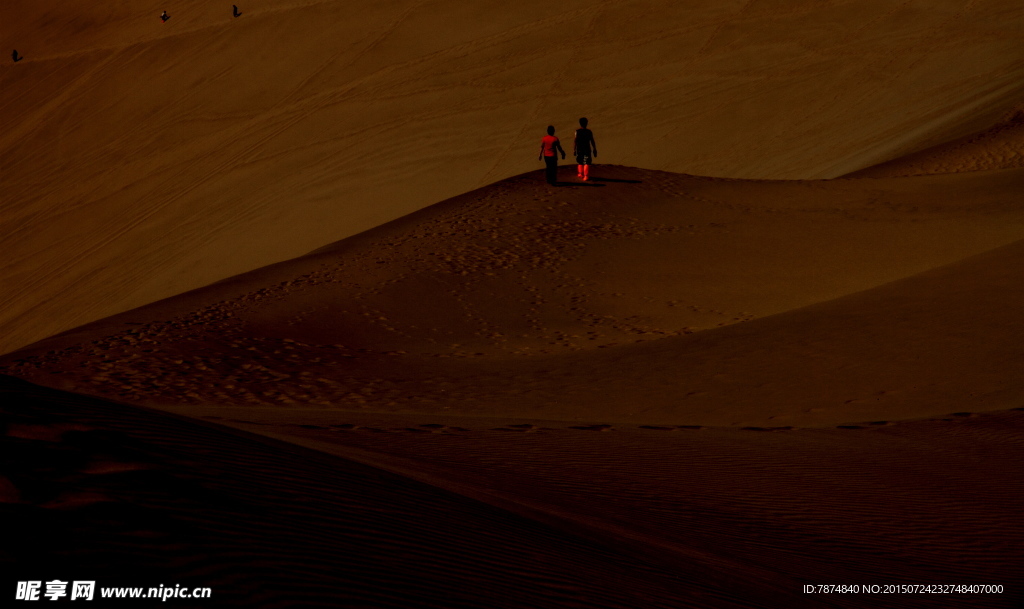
(548, 147)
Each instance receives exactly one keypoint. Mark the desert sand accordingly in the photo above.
(291, 313)
(998, 147)
(381, 511)
(642, 297)
(787, 389)
(166, 156)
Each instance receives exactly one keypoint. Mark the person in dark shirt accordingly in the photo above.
(582, 147)
(164, 16)
(234, 10)
(14, 55)
(549, 146)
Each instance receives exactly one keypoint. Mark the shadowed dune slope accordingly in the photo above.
(519, 516)
(862, 503)
(642, 296)
(143, 159)
(1000, 147)
(126, 497)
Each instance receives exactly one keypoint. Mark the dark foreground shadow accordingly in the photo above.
(615, 180)
(261, 519)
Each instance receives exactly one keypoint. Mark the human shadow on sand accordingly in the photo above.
(615, 180)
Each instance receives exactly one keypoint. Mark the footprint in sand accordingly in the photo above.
(102, 466)
(8, 492)
(672, 427)
(784, 428)
(44, 457)
(522, 428)
(73, 500)
(442, 429)
(433, 428)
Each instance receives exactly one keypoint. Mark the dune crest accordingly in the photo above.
(144, 159)
(523, 298)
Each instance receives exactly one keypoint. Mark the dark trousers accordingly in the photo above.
(551, 171)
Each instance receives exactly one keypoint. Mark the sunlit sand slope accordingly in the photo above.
(999, 147)
(143, 159)
(642, 296)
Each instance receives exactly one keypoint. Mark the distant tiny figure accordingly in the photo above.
(14, 55)
(582, 145)
(235, 12)
(548, 147)
(164, 16)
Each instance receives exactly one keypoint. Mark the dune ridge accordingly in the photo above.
(520, 298)
(166, 156)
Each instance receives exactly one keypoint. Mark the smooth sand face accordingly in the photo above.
(143, 159)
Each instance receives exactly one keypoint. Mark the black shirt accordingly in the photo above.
(584, 141)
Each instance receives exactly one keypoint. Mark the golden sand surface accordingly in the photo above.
(143, 159)
(289, 311)
(639, 296)
(808, 381)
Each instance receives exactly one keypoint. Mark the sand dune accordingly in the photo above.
(164, 156)
(484, 456)
(467, 514)
(840, 504)
(524, 299)
(135, 498)
(307, 383)
(999, 147)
